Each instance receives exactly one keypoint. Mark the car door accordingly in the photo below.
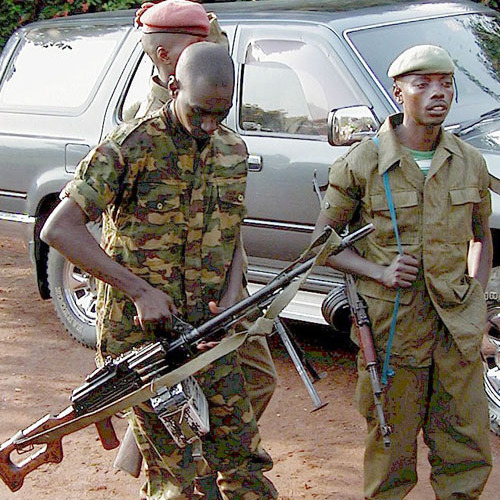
(289, 78)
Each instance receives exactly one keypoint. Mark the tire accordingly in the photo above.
(492, 365)
(74, 295)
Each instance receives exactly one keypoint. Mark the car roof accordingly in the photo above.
(339, 15)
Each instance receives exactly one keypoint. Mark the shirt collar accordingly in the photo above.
(171, 118)
(390, 150)
(159, 91)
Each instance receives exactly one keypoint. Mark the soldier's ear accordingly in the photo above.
(162, 54)
(397, 92)
(173, 85)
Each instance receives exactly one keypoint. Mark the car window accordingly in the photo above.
(138, 88)
(67, 63)
(289, 87)
(473, 41)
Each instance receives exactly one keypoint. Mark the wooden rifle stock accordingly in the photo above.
(359, 313)
(50, 449)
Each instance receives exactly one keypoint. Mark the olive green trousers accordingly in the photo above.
(447, 402)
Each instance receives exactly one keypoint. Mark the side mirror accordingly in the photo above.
(349, 125)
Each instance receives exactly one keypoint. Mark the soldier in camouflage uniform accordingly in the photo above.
(170, 190)
(168, 27)
(172, 25)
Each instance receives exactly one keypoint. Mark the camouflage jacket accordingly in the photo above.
(171, 214)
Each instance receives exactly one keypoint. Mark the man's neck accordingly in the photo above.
(418, 137)
(160, 81)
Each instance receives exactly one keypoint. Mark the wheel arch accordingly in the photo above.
(41, 249)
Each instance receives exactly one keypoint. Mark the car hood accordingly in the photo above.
(486, 138)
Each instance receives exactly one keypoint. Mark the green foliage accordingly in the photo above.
(494, 4)
(15, 13)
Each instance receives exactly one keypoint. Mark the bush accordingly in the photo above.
(15, 13)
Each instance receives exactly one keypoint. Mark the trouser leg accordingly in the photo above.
(169, 470)
(259, 372)
(390, 473)
(260, 376)
(233, 447)
(457, 426)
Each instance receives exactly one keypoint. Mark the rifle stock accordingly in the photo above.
(136, 375)
(359, 313)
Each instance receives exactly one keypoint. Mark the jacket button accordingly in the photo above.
(159, 205)
(327, 205)
(240, 197)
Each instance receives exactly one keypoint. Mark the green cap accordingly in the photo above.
(421, 59)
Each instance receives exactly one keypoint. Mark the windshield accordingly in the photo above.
(473, 41)
(65, 62)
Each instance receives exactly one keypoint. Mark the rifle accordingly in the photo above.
(359, 313)
(138, 374)
(129, 458)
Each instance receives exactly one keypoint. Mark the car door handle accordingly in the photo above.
(254, 163)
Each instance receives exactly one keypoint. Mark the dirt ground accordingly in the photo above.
(318, 455)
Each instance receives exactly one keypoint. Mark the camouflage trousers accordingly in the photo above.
(260, 375)
(447, 402)
(232, 447)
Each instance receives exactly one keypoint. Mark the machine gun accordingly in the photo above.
(137, 375)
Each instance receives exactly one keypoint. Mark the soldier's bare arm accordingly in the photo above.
(67, 232)
(402, 271)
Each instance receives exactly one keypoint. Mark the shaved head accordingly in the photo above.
(202, 88)
(164, 50)
(205, 63)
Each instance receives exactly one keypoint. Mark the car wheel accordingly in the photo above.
(492, 365)
(74, 294)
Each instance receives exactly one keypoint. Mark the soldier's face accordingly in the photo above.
(201, 108)
(427, 98)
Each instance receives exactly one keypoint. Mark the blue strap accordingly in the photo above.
(392, 210)
(387, 371)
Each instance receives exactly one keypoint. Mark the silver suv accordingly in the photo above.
(310, 82)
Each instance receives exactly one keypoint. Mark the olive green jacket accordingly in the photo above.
(435, 221)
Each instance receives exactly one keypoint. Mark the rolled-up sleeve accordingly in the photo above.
(484, 207)
(340, 201)
(97, 180)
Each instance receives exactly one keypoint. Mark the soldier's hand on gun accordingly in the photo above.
(401, 272)
(154, 312)
(214, 309)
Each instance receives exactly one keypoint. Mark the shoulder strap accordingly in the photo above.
(387, 371)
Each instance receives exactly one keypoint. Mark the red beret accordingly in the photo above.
(173, 16)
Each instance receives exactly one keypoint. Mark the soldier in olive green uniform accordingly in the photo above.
(440, 194)
(170, 190)
(167, 29)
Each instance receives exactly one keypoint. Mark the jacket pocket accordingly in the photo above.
(159, 203)
(462, 202)
(407, 208)
(231, 201)
(370, 288)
